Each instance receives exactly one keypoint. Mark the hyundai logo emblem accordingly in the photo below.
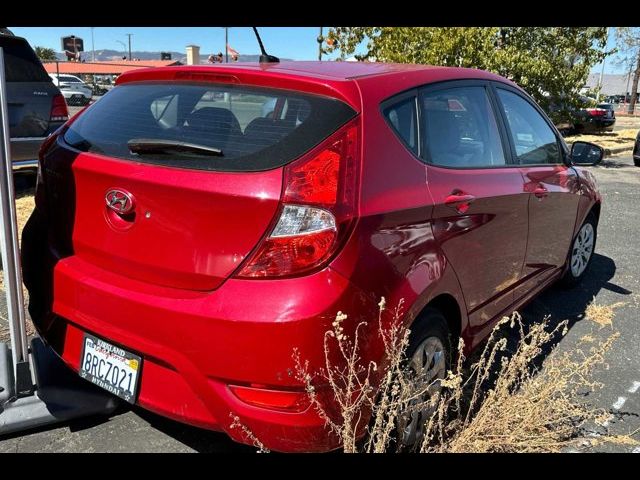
(119, 201)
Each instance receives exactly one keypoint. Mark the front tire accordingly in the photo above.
(581, 253)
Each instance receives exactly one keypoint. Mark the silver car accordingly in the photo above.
(75, 91)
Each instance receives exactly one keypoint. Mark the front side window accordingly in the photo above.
(460, 129)
(534, 140)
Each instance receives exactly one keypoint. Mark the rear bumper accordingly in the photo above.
(195, 344)
(600, 124)
(24, 152)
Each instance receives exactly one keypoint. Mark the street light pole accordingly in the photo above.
(129, 35)
(320, 40)
(226, 44)
(93, 47)
(124, 45)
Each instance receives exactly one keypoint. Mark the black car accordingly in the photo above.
(36, 106)
(636, 151)
(602, 118)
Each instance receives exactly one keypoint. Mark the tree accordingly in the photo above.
(629, 42)
(551, 63)
(45, 53)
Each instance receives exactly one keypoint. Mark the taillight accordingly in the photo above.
(319, 204)
(59, 112)
(596, 112)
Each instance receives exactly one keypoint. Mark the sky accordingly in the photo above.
(296, 43)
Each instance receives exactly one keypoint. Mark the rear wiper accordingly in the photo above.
(146, 145)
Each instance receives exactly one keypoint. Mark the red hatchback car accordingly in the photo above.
(198, 223)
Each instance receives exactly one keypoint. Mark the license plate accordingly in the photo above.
(110, 367)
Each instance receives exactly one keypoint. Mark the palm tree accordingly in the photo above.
(45, 53)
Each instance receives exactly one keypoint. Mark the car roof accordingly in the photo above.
(337, 70)
(333, 78)
(333, 69)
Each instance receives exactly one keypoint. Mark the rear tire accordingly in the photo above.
(636, 161)
(581, 253)
(429, 356)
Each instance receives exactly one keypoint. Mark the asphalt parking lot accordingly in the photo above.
(614, 278)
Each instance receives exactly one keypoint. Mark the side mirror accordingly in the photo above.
(587, 154)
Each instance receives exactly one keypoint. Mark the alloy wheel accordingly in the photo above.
(427, 366)
(582, 249)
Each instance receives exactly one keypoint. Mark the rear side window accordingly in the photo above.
(460, 129)
(20, 62)
(533, 138)
(226, 127)
(402, 117)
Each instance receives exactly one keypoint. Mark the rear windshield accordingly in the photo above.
(605, 106)
(246, 128)
(69, 79)
(20, 62)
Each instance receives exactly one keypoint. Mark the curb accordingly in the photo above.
(614, 151)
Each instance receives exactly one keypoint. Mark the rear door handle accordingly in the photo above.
(459, 200)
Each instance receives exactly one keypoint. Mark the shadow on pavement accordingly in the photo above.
(570, 304)
(202, 441)
(558, 304)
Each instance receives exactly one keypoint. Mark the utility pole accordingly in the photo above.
(129, 35)
(626, 92)
(320, 40)
(604, 60)
(634, 86)
(226, 44)
(93, 48)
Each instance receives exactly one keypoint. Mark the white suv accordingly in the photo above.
(75, 91)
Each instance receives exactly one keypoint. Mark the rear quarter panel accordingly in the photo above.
(392, 252)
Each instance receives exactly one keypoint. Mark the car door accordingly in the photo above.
(480, 208)
(552, 186)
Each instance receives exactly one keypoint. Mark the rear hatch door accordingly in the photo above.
(30, 90)
(196, 170)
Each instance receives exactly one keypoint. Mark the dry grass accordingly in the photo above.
(608, 139)
(24, 206)
(509, 404)
(601, 314)
(517, 397)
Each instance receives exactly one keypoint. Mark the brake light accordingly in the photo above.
(596, 112)
(59, 112)
(320, 202)
(206, 77)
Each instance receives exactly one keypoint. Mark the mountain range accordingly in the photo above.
(109, 55)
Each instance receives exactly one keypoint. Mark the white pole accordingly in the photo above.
(10, 249)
